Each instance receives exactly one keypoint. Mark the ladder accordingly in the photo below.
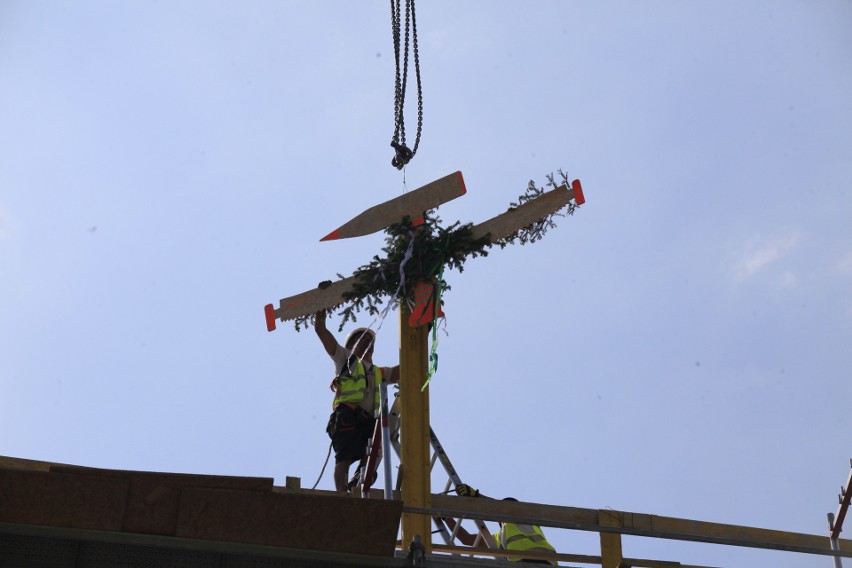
(451, 529)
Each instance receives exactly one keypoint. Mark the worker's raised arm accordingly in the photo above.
(329, 342)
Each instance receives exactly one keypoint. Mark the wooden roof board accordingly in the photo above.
(192, 508)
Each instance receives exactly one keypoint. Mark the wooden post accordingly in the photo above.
(414, 429)
(611, 555)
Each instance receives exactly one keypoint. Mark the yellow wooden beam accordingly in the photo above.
(414, 429)
(581, 558)
(637, 524)
(611, 555)
(523, 512)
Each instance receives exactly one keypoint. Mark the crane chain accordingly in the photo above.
(402, 153)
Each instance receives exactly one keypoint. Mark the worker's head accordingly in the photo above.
(361, 342)
(508, 499)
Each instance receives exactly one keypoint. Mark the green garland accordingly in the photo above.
(434, 247)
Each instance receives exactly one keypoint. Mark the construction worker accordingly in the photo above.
(516, 537)
(357, 399)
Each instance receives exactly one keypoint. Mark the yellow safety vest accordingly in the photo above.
(522, 538)
(352, 389)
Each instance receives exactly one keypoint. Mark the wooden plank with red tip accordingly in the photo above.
(411, 204)
(308, 302)
(515, 219)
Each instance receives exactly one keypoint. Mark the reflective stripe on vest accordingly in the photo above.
(353, 389)
(522, 538)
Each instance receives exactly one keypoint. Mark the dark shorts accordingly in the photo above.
(350, 430)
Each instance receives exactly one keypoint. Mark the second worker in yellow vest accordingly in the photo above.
(515, 537)
(523, 538)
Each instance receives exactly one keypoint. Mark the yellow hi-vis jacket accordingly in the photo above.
(352, 389)
(522, 538)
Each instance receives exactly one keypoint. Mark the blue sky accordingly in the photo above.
(678, 347)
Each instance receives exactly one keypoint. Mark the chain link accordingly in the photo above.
(403, 154)
(395, 8)
(417, 75)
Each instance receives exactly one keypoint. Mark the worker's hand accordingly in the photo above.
(319, 317)
(466, 491)
(319, 320)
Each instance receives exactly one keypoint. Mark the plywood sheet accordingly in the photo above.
(153, 499)
(7, 462)
(62, 499)
(327, 523)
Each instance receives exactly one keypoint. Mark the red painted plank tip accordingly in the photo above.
(269, 310)
(332, 236)
(578, 192)
(461, 181)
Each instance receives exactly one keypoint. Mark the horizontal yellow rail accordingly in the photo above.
(636, 524)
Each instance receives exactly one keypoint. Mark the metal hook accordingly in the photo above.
(403, 155)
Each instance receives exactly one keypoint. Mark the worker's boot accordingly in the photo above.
(355, 479)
